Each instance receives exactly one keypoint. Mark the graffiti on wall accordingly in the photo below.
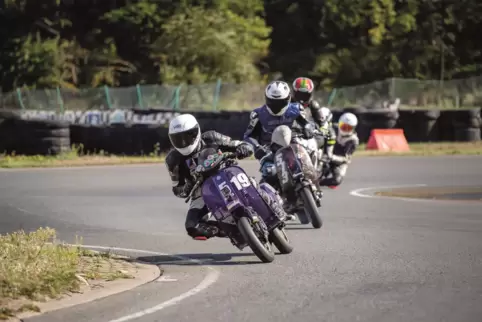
(97, 117)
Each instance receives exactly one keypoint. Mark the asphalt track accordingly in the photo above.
(375, 259)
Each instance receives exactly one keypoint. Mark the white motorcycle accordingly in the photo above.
(296, 166)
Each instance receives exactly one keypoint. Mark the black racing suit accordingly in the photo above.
(325, 137)
(180, 167)
(343, 150)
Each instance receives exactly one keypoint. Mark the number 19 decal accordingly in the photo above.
(240, 181)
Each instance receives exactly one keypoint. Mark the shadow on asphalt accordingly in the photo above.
(299, 228)
(204, 259)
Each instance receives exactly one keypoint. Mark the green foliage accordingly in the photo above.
(199, 45)
(78, 43)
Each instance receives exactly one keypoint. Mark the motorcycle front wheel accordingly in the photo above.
(264, 252)
(278, 237)
(310, 207)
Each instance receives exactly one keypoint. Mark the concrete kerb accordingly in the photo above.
(152, 274)
(146, 273)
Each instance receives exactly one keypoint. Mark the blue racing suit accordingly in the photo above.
(262, 124)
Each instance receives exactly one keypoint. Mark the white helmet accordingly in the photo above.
(324, 115)
(185, 133)
(347, 124)
(278, 97)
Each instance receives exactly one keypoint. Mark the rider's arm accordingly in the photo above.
(254, 130)
(301, 119)
(179, 183)
(224, 142)
(349, 149)
(308, 128)
(227, 144)
(330, 140)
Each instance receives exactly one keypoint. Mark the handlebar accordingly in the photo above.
(199, 179)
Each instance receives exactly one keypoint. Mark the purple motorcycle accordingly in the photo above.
(239, 205)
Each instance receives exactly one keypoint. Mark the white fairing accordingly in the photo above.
(182, 123)
(311, 147)
(281, 136)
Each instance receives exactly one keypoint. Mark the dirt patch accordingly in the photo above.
(436, 193)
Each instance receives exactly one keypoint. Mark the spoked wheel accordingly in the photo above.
(263, 251)
(279, 238)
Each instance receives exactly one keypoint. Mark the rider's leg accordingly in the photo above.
(194, 227)
(338, 173)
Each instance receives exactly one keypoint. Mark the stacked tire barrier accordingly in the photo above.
(120, 139)
(30, 136)
(34, 137)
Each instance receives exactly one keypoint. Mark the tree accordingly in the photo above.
(200, 45)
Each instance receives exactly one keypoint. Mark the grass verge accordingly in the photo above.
(74, 158)
(35, 267)
(430, 149)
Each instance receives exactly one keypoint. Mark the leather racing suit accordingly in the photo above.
(343, 150)
(262, 124)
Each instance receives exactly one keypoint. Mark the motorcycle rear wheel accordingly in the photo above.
(278, 237)
(310, 207)
(260, 250)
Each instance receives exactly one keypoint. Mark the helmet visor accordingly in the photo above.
(302, 97)
(276, 105)
(346, 127)
(184, 139)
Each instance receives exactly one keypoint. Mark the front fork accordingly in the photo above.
(317, 193)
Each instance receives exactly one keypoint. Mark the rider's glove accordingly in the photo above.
(244, 150)
(260, 153)
(185, 190)
(267, 169)
(309, 131)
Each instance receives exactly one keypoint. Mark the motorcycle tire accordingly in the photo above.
(310, 208)
(260, 250)
(278, 237)
(303, 217)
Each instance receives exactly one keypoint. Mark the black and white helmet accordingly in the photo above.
(278, 97)
(185, 134)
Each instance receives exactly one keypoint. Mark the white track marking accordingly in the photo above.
(166, 279)
(210, 279)
(361, 192)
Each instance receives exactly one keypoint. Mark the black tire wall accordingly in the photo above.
(30, 137)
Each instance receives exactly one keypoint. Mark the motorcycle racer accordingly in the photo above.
(188, 141)
(347, 142)
(327, 136)
(303, 88)
(277, 110)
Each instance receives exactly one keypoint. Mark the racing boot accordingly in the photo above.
(290, 210)
(206, 231)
